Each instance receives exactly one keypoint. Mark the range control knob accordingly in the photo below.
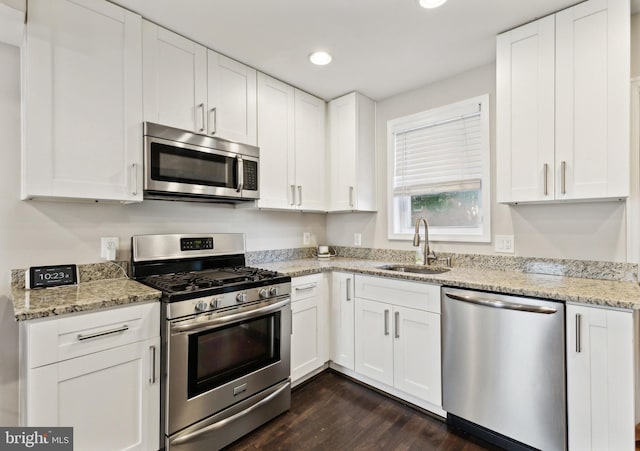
(263, 293)
(201, 306)
(273, 291)
(241, 297)
(215, 303)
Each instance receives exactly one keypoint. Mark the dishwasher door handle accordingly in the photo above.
(502, 304)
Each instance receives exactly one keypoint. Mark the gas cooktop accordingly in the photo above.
(189, 285)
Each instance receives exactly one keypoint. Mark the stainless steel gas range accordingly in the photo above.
(226, 334)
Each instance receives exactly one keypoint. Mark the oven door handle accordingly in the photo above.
(212, 427)
(216, 322)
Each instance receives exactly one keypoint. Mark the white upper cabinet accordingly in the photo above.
(352, 154)
(190, 87)
(175, 79)
(82, 102)
(525, 113)
(276, 141)
(291, 130)
(310, 154)
(563, 105)
(592, 100)
(232, 100)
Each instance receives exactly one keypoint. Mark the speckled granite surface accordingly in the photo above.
(31, 304)
(101, 285)
(559, 267)
(610, 293)
(86, 272)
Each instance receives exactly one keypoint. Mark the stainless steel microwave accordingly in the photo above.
(182, 165)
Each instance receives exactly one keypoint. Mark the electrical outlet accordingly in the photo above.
(504, 244)
(357, 239)
(109, 247)
(306, 238)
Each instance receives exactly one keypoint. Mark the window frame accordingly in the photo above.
(481, 234)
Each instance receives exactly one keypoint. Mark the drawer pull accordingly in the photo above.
(308, 287)
(102, 334)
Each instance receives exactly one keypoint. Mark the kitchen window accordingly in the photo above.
(439, 168)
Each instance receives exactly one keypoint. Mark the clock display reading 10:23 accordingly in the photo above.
(52, 276)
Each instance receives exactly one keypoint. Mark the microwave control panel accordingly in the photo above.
(250, 175)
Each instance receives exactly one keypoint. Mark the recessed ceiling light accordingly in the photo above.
(320, 58)
(431, 3)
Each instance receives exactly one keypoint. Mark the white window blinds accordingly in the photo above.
(443, 154)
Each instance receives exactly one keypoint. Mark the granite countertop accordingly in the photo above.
(609, 293)
(94, 295)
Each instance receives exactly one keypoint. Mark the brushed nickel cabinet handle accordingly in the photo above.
(152, 378)
(546, 179)
(397, 324)
(386, 322)
(102, 334)
(293, 195)
(351, 196)
(563, 176)
(134, 184)
(202, 111)
(299, 195)
(349, 289)
(578, 332)
(215, 120)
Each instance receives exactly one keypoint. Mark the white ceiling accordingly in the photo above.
(379, 47)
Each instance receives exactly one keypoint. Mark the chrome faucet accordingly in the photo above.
(429, 255)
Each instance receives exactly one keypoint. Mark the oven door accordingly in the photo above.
(217, 360)
(173, 168)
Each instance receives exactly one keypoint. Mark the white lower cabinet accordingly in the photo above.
(600, 379)
(96, 372)
(342, 311)
(397, 337)
(309, 338)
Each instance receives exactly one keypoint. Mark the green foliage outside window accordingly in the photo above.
(451, 209)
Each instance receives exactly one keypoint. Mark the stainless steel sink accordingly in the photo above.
(416, 269)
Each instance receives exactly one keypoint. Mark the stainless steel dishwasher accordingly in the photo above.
(503, 368)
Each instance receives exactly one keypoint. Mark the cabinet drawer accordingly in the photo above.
(420, 296)
(305, 287)
(54, 340)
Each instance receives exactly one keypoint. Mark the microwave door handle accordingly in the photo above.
(240, 173)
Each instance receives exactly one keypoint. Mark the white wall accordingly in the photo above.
(38, 233)
(594, 231)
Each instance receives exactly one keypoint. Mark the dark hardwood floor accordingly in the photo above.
(332, 412)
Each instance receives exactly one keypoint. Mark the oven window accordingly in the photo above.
(175, 164)
(221, 355)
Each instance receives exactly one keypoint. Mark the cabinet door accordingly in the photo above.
(525, 112)
(111, 398)
(600, 379)
(342, 320)
(373, 340)
(175, 79)
(276, 142)
(592, 100)
(342, 157)
(232, 99)
(310, 152)
(83, 101)
(416, 354)
(308, 339)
